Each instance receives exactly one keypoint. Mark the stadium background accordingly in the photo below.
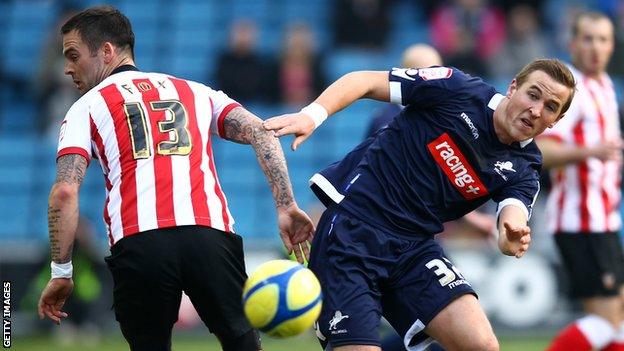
(184, 38)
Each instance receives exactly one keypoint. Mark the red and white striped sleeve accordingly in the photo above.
(221, 106)
(75, 133)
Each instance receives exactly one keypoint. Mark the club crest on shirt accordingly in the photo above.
(506, 166)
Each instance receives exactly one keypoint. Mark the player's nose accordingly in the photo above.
(535, 111)
(68, 69)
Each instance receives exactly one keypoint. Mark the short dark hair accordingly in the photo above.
(556, 69)
(100, 24)
(592, 15)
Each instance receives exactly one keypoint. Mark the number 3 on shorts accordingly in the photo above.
(441, 270)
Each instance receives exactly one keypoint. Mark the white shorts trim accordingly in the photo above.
(326, 187)
(416, 328)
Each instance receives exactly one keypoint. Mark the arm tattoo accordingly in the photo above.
(54, 217)
(63, 214)
(54, 230)
(238, 125)
(71, 169)
(241, 126)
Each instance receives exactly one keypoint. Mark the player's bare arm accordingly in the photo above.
(342, 93)
(556, 154)
(63, 206)
(241, 126)
(296, 228)
(62, 224)
(514, 233)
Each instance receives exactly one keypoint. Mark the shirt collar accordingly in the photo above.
(124, 68)
(525, 143)
(495, 100)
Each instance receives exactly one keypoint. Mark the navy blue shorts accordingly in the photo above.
(366, 273)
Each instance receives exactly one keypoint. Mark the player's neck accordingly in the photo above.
(499, 121)
(121, 61)
(597, 76)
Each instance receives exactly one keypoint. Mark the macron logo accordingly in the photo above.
(473, 129)
(456, 168)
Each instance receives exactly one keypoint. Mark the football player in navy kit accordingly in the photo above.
(457, 144)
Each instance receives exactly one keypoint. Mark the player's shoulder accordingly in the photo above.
(531, 154)
(81, 106)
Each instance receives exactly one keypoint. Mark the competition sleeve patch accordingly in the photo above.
(434, 73)
(456, 168)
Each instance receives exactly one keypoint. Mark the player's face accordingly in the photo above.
(532, 107)
(85, 68)
(592, 47)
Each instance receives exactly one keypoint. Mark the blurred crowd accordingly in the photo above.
(493, 39)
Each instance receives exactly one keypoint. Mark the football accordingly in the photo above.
(282, 298)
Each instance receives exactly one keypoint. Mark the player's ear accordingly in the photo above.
(109, 51)
(512, 88)
(557, 120)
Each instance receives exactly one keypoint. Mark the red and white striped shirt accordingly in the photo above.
(152, 135)
(585, 196)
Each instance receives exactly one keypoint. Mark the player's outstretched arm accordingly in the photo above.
(514, 233)
(557, 154)
(62, 224)
(296, 228)
(342, 93)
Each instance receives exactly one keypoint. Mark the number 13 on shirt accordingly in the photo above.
(175, 125)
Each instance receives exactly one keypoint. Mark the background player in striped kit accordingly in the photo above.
(168, 222)
(585, 154)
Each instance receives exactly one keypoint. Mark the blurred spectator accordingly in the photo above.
(468, 33)
(507, 5)
(616, 66)
(240, 70)
(415, 56)
(299, 74)
(524, 43)
(53, 91)
(558, 16)
(362, 23)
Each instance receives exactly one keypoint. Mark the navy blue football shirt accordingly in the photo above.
(436, 161)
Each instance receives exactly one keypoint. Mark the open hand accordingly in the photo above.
(609, 150)
(299, 124)
(53, 299)
(296, 231)
(515, 240)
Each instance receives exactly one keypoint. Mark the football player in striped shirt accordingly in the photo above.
(584, 153)
(167, 218)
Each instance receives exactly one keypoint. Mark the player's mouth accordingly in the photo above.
(526, 123)
(77, 83)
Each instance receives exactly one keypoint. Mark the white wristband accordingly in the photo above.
(62, 270)
(317, 112)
